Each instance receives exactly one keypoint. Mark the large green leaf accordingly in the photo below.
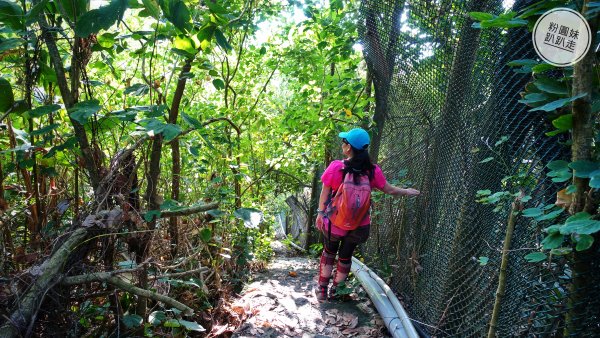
(41, 111)
(192, 326)
(584, 242)
(533, 98)
(45, 129)
(551, 86)
(82, 111)
(177, 13)
(131, 321)
(9, 44)
(7, 97)
(11, 15)
(222, 40)
(152, 7)
(558, 103)
(157, 317)
(583, 169)
(137, 89)
(191, 121)
(479, 16)
(102, 18)
(171, 131)
(552, 241)
(535, 257)
(73, 9)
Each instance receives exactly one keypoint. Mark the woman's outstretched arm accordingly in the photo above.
(393, 190)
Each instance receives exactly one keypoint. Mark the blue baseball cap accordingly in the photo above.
(357, 137)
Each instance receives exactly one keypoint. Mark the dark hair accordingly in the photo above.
(360, 164)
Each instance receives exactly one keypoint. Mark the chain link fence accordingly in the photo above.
(448, 97)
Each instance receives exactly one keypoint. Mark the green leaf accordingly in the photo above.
(69, 144)
(9, 44)
(152, 7)
(484, 192)
(191, 121)
(222, 41)
(563, 122)
(82, 111)
(532, 212)
(480, 16)
(557, 165)
(73, 9)
(535, 257)
(171, 131)
(534, 98)
(172, 323)
(11, 15)
(149, 216)
(561, 251)
(192, 326)
(595, 182)
(487, 159)
(551, 86)
(107, 40)
(157, 317)
(41, 111)
(584, 242)
(214, 7)
(6, 95)
(206, 234)
(558, 103)
(582, 169)
(137, 89)
(571, 189)
(184, 43)
(177, 13)
(552, 241)
(131, 321)
(549, 216)
(483, 260)
(542, 67)
(583, 227)
(102, 18)
(216, 213)
(45, 129)
(219, 84)
(522, 62)
(501, 140)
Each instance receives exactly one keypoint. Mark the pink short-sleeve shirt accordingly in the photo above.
(332, 177)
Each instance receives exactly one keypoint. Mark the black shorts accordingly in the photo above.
(358, 235)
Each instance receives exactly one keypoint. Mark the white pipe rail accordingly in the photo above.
(390, 309)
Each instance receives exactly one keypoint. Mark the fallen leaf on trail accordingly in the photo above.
(350, 332)
(238, 309)
(293, 274)
(353, 323)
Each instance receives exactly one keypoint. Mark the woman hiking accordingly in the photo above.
(343, 213)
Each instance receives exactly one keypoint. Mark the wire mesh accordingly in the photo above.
(448, 96)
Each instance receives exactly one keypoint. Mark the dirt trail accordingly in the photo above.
(282, 303)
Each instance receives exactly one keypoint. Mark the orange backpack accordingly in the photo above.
(351, 202)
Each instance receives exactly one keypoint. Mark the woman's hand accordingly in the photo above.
(320, 222)
(411, 192)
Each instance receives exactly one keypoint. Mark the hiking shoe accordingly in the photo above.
(321, 293)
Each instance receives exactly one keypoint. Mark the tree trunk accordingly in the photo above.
(581, 150)
(176, 161)
(312, 208)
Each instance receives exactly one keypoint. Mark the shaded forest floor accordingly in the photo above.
(280, 302)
